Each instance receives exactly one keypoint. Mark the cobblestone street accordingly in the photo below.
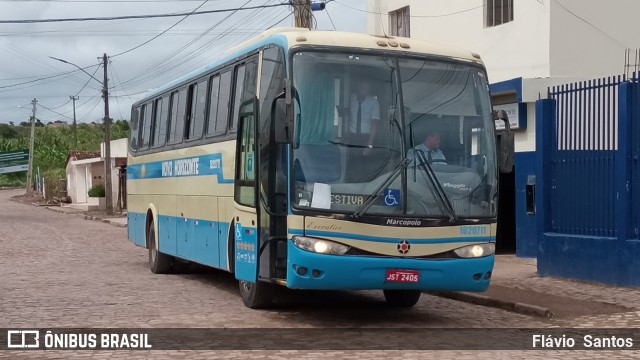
(63, 271)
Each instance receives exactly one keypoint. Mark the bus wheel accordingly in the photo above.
(159, 263)
(402, 298)
(256, 295)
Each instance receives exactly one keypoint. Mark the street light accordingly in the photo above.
(107, 137)
(70, 63)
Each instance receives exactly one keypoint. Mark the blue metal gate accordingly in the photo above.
(588, 156)
(584, 157)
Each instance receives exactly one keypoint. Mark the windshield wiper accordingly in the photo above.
(439, 191)
(371, 198)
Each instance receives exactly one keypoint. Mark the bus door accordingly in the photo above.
(246, 243)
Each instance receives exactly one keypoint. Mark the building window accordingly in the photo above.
(497, 12)
(399, 22)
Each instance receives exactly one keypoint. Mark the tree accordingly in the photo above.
(24, 123)
(11, 123)
(39, 123)
(7, 132)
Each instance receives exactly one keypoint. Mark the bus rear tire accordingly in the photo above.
(159, 263)
(402, 298)
(256, 295)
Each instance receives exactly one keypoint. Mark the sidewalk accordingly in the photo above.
(515, 286)
(116, 220)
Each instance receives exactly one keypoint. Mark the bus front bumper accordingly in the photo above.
(322, 271)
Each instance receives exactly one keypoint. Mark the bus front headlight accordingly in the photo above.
(319, 246)
(477, 250)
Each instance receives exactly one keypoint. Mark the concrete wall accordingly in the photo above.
(118, 148)
(588, 37)
(519, 48)
(557, 38)
(97, 174)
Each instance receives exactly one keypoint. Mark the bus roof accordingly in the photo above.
(294, 37)
(302, 36)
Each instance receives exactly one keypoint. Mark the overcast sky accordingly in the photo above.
(25, 48)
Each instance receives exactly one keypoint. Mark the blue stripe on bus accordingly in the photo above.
(201, 241)
(390, 239)
(209, 164)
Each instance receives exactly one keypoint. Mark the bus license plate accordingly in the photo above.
(396, 275)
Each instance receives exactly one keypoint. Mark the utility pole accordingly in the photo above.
(107, 139)
(34, 102)
(75, 133)
(302, 13)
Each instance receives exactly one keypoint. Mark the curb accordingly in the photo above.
(87, 217)
(517, 307)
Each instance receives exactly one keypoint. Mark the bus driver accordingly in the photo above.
(430, 148)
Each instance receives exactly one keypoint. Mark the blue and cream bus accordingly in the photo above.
(252, 165)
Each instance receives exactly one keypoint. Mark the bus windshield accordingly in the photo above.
(392, 136)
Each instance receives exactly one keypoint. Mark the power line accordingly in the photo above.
(592, 25)
(53, 111)
(110, 18)
(44, 78)
(161, 65)
(157, 36)
(82, 88)
(330, 19)
(120, 82)
(104, 1)
(114, 93)
(279, 21)
(102, 33)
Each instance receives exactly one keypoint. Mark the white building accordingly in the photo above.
(86, 169)
(527, 46)
(521, 38)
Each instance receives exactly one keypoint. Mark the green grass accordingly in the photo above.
(52, 146)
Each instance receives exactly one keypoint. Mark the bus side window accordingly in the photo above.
(214, 98)
(146, 125)
(224, 96)
(237, 96)
(192, 92)
(133, 141)
(198, 109)
(245, 87)
(178, 106)
(160, 123)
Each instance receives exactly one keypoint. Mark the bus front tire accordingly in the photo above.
(256, 295)
(159, 263)
(402, 298)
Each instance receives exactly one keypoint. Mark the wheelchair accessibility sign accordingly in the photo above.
(392, 197)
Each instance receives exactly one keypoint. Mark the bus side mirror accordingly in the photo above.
(281, 121)
(505, 143)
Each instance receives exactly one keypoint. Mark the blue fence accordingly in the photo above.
(588, 195)
(583, 157)
(634, 115)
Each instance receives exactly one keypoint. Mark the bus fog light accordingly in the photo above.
(477, 250)
(319, 246)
